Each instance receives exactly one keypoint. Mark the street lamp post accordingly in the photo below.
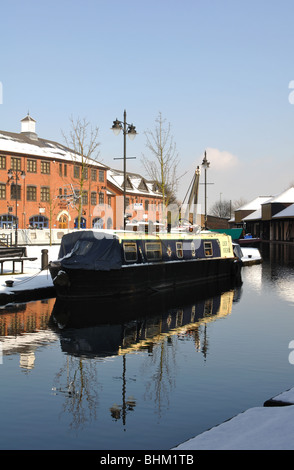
(13, 175)
(205, 165)
(130, 130)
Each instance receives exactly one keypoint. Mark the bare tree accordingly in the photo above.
(238, 203)
(163, 168)
(221, 209)
(83, 141)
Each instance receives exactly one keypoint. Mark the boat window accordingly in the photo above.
(130, 251)
(153, 251)
(208, 248)
(179, 248)
(193, 251)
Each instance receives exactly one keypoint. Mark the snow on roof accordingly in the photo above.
(116, 178)
(254, 215)
(22, 144)
(254, 204)
(286, 196)
(288, 212)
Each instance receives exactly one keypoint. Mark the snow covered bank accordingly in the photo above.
(33, 278)
(261, 428)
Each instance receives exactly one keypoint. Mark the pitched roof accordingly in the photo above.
(136, 184)
(22, 144)
(256, 215)
(288, 212)
(286, 196)
(254, 204)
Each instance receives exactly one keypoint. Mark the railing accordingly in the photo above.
(32, 236)
(6, 239)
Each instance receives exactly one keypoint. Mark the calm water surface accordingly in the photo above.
(161, 371)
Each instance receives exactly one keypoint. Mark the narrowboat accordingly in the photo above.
(97, 263)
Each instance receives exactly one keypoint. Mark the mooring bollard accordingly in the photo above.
(44, 259)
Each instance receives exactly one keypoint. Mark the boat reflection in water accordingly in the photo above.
(117, 327)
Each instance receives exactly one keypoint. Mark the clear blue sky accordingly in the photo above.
(217, 70)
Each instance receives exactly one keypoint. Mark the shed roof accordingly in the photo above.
(254, 204)
(288, 212)
(286, 196)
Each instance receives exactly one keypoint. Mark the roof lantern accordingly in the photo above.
(28, 127)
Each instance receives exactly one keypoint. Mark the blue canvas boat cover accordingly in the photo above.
(90, 250)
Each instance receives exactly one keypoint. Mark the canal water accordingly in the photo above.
(146, 373)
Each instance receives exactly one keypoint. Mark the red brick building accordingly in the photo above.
(45, 179)
(39, 185)
(143, 198)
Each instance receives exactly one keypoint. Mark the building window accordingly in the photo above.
(82, 222)
(93, 174)
(31, 193)
(2, 191)
(60, 169)
(109, 200)
(85, 173)
(15, 163)
(76, 171)
(7, 221)
(45, 194)
(2, 162)
(146, 204)
(97, 223)
(130, 251)
(153, 251)
(15, 192)
(101, 198)
(39, 221)
(93, 198)
(65, 169)
(45, 168)
(32, 166)
(85, 198)
(101, 176)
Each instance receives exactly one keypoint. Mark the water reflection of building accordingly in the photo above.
(276, 272)
(24, 328)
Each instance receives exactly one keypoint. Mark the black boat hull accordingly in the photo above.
(128, 280)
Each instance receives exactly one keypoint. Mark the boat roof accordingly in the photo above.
(131, 235)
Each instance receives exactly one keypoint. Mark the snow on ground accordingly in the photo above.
(262, 428)
(32, 277)
(256, 429)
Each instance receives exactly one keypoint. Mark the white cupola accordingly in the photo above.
(28, 127)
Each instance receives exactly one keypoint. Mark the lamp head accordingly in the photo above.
(116, 127)
(205, 162)
(132, 132)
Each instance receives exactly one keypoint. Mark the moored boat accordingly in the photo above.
(247, 255)
(95, 263)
